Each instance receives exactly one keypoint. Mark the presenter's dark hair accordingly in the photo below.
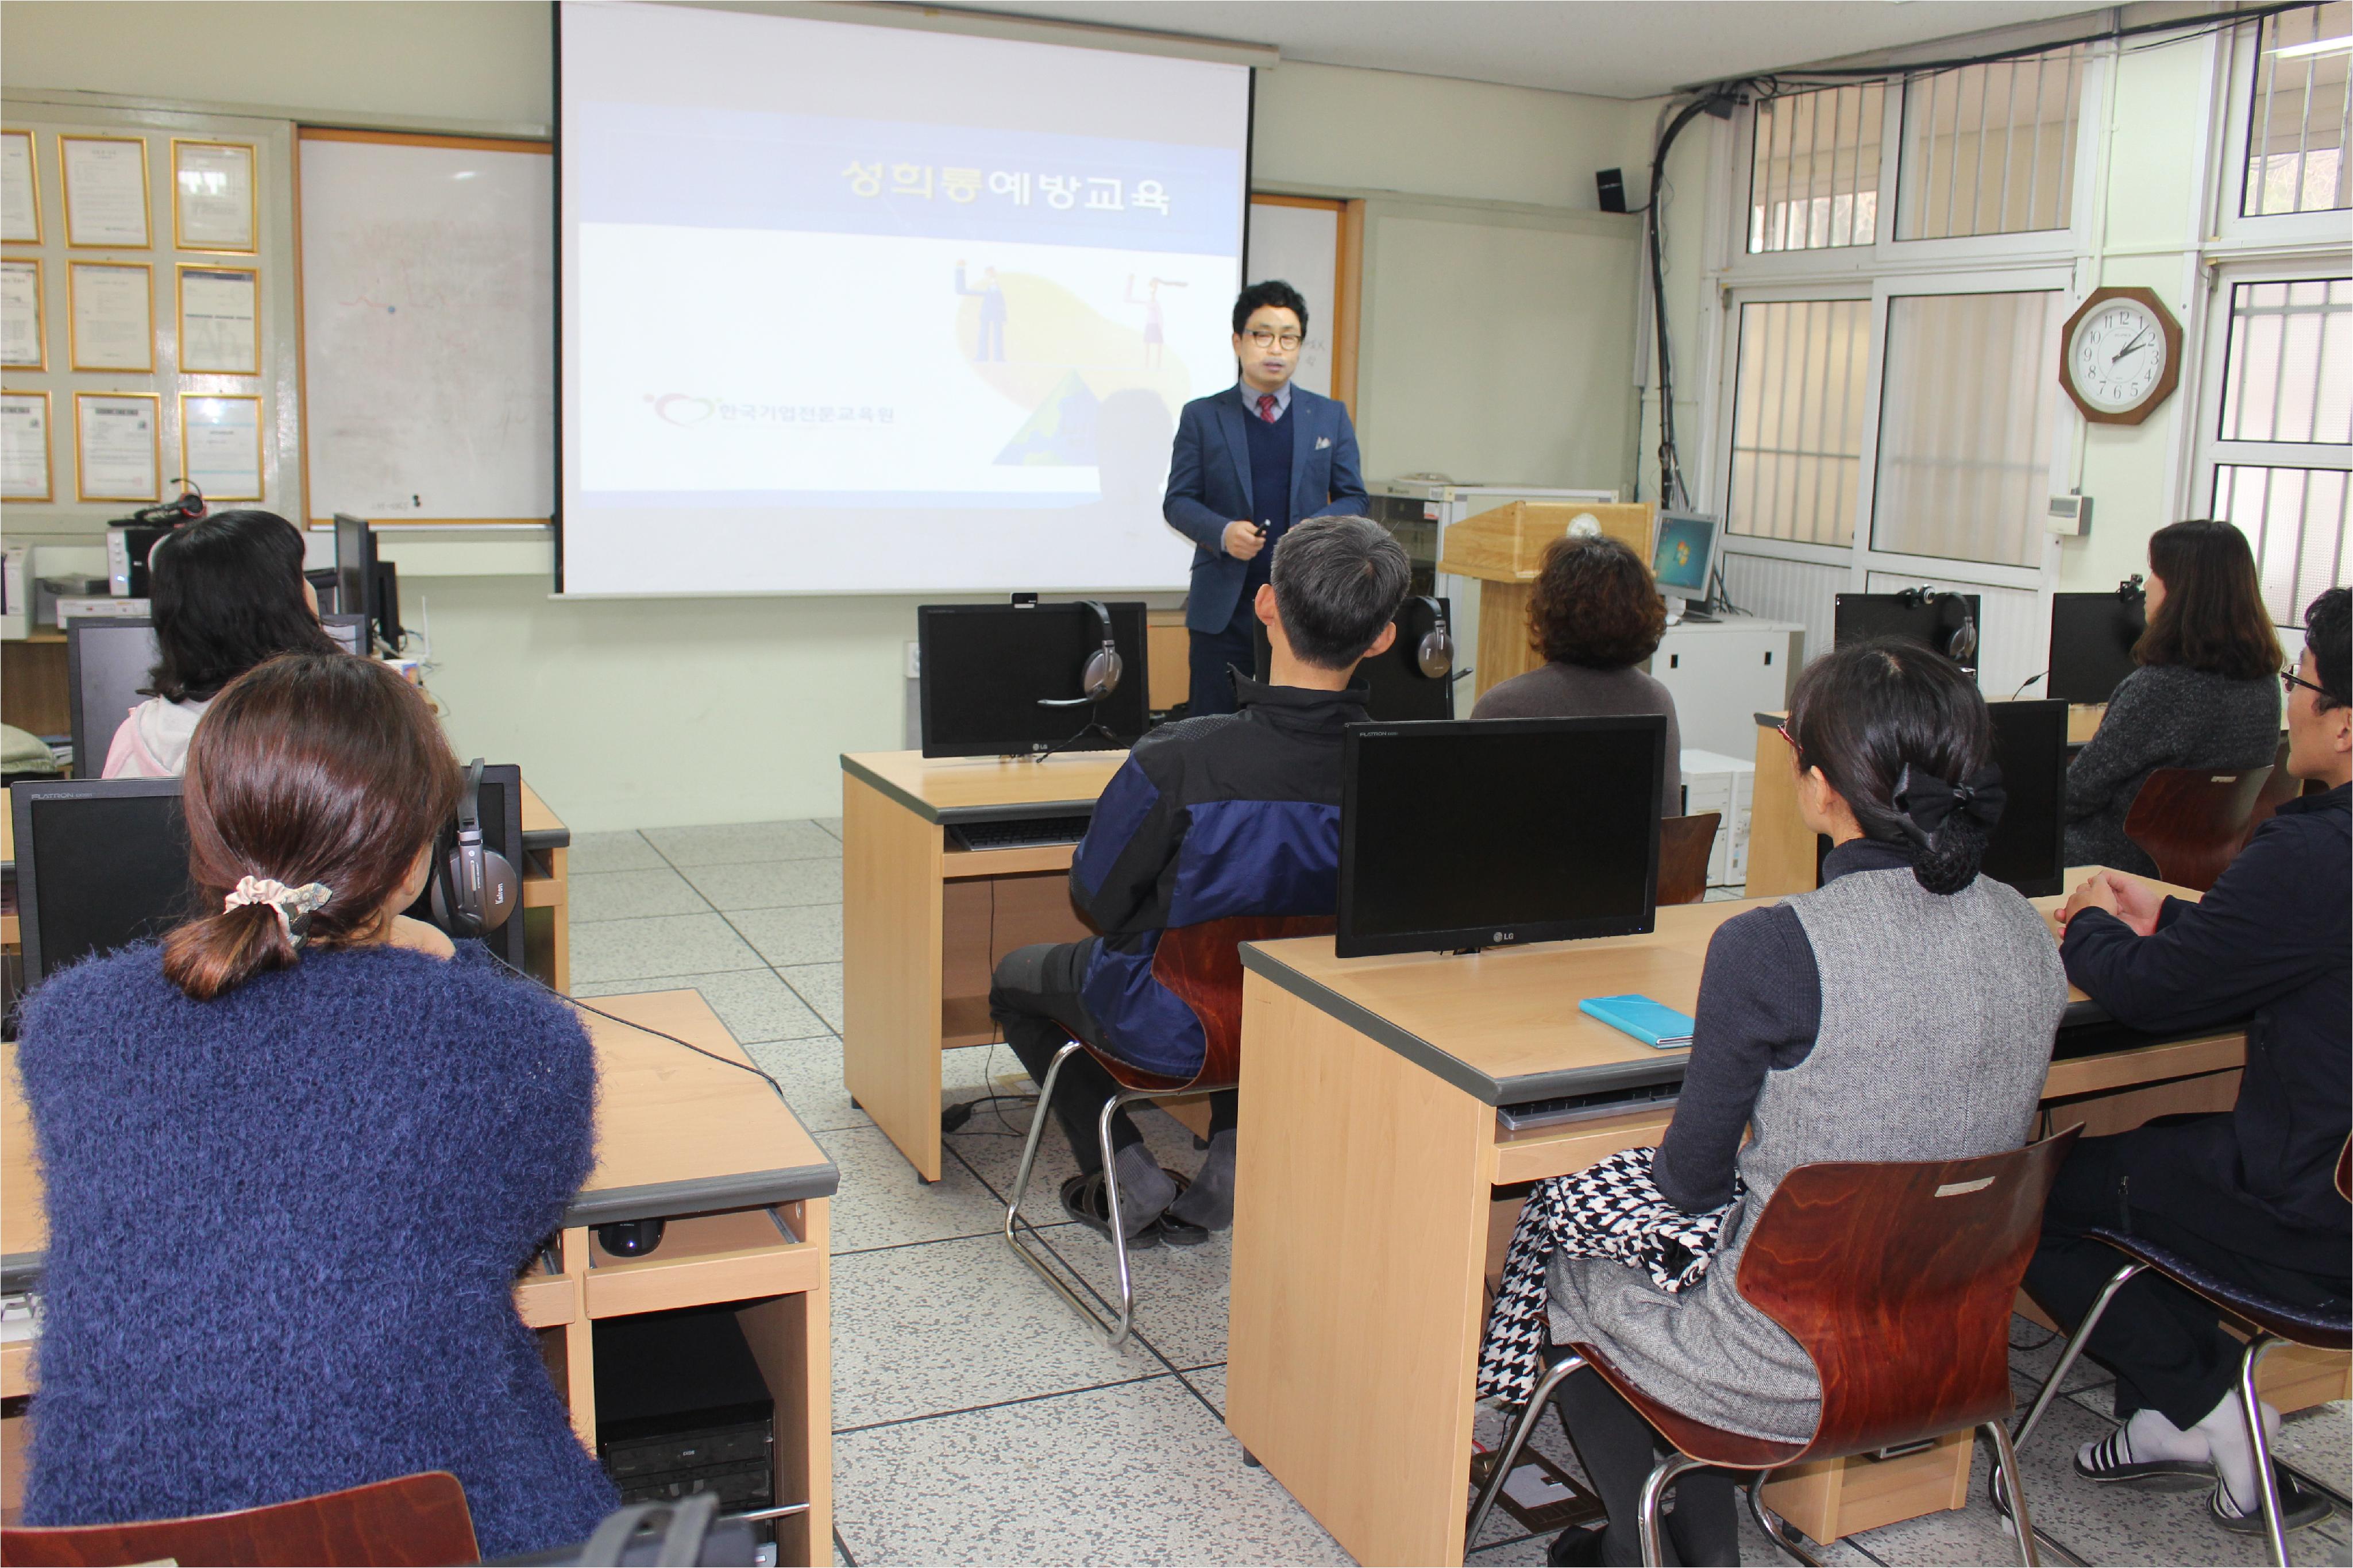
(1595, 605)
(1864, 711)
(1258, 296)
(227, 593)
(310, 768)
(2213, 616)
(1337, 584)
(2327, 621)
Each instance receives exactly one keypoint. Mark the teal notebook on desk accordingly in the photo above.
(1652, 1023)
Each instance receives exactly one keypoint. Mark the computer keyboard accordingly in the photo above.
(1020, 833)
(1583, 1107)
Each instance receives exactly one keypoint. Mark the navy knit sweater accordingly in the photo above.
(284, 1231)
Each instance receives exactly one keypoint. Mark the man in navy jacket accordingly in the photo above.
(1231, 813)
(2250, 1194)
(1249, 462)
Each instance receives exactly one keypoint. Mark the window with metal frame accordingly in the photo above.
(1991, 148)
(1813, 174)
(2300, 113)
(1800, 409)
(2282, 440)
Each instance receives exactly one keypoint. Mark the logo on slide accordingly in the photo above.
(678, 408)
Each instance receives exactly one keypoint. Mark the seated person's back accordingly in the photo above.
(295, 1157)
(1595, 614)
(226, 592)
(2205, 694)
(1234, 813)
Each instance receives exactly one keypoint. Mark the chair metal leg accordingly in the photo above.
(1777, 1529)
(2005, 1466)
(2075, 1343)
(2251, 1406)
(1116, 1335)
(1655, 1491)
(1514, 1441)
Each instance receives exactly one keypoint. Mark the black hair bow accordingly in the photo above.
(1922, 800)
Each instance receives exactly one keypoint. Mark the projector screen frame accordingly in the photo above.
(1252, 57)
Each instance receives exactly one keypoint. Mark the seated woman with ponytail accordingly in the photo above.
(1903, 1010)
(296, 1155)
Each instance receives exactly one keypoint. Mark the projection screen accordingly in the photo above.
(858, 308)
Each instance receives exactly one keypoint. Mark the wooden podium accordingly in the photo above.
(1504, 548)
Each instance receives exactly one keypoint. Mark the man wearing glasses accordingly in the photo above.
(1249, 462)
(2248, 1195)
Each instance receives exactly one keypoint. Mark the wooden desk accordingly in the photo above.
(546, 885)
(924, 921)
(681, 1137)
(1376, 1191)
(33, 694)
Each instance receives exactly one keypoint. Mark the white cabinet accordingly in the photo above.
(1723, 673)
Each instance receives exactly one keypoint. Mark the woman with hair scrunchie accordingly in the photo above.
(1902, 1011)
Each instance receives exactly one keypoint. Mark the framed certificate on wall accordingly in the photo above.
(110, 315)
(23, 446)
(106, 191)
(20, 189)
(117, 447)
(220, 445)
(221, 320)
(212, 196)
(24, 329)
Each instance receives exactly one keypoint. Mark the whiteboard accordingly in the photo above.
(1301, 244)
(428, 309)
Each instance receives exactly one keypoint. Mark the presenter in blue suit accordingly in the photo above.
(1248, 463)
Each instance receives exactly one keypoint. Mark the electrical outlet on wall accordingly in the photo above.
(915, 660)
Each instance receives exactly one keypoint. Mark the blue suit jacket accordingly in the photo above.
(1209, 486)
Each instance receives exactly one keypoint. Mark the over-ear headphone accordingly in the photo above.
(1953, 619)
(188, 506)
(476, 889)
(1434, 655)
(2130, 591)
(1099, 677)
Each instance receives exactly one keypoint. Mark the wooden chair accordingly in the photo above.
(420, 1519)
(2278, 790)
(1685, 844)
(2268, 1323)
(1897, 1279)
(1202, 965)
(2192, 821)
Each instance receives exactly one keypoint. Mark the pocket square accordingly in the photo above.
(1321, 442)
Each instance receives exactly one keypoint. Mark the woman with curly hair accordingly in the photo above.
(1595, 614)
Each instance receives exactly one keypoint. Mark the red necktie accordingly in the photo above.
(1266, 406)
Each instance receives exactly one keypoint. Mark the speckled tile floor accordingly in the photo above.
(960, 1382)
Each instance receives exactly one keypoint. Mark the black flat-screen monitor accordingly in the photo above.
(2092, 637)
(2028, 846)
(1928, 620)
(984, 673)
(107, 661)
(501, 818)
(1483, 833)
(1399, 691)
(363, 585)
(100, 864)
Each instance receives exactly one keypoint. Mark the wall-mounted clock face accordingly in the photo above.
(2122, 355)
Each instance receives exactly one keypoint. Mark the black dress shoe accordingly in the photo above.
(1575, 1545)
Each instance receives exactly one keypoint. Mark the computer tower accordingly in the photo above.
(681, 1408)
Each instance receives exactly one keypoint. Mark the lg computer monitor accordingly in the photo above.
(1929, 618)
(1684, 555)
(1561, 842)
(1397, 692)
(2027, 848)
(354, 564)
(2091, 638)
(109, 660)
(987, 674)
(100, 864)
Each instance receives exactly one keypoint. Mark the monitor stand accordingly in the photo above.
(1681, 610)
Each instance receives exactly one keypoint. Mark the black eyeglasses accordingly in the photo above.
(2290, 680)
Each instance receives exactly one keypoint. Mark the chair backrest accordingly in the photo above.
(1898, 1279)
(2345, 1172)
(419, 1520)
(1685, 844)
(1202, 965)
(2278, 790)
(2192, 820)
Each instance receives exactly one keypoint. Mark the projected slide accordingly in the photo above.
(851, 307)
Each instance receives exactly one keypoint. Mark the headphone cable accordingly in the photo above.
(643, 1028)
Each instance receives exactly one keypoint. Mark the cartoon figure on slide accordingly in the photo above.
(1154, 333)
(990, 344)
